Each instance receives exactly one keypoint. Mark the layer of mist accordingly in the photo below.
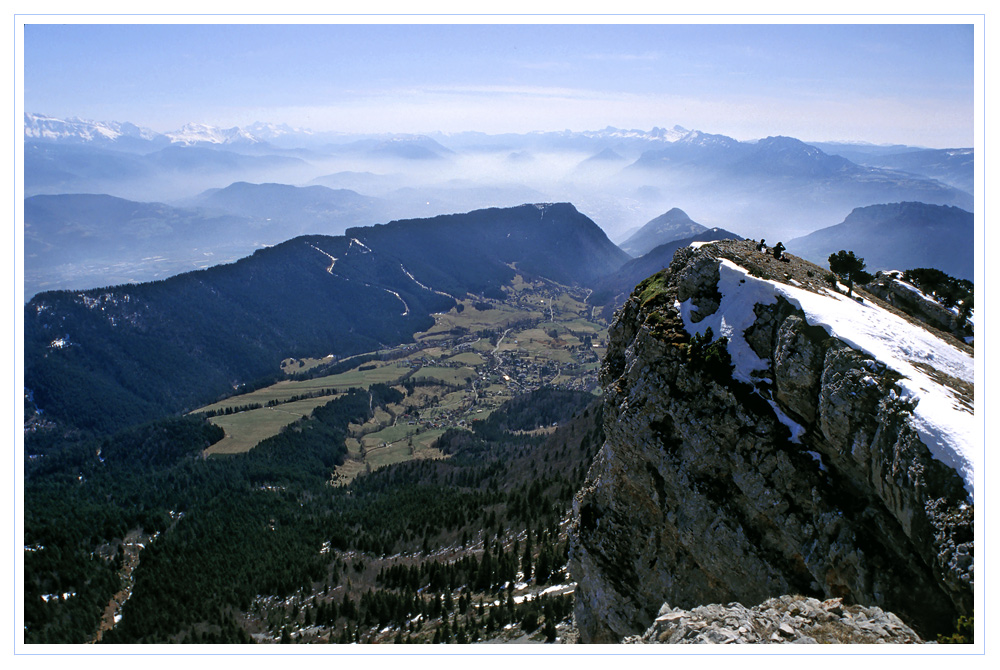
(777, 189)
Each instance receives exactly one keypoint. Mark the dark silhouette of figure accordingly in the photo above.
(778, 248)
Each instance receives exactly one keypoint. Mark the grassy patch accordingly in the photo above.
(388, 435)
(245, 430)
(452, 376)
(469, 358)
(285, 390)
(652, 290)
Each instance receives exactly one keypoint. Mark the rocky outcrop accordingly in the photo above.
(784, 620)
(803, 475)
(909, 299)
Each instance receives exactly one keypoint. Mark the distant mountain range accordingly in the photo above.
(776, 187)
(110, 202)
(785, 178)
(53, 168)
(107, 133)
(955, 167)
(83, 131)
(294, 210)
(898, 236)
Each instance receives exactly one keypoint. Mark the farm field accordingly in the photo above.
(286, 390)
(476, 357)
(245, 430)
(472, 320)
(450, 376)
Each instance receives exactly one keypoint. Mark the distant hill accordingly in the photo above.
(673, 225)
(898, 236)
(367, 183)
(860, 152)
(72, 168)
(295, 210)
(954, 167)
(695, 149)
(86, 240)
(106, 358)
(164, 174)
(602, 159)
(789, 157)
(605, 155)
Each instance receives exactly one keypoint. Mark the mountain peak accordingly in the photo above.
(675, 214)
(675, 224)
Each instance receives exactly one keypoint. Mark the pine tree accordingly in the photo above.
(484, 578)
(849, 268)
(526, 559)
(549, 629)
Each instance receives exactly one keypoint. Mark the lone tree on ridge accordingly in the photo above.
(849, 268)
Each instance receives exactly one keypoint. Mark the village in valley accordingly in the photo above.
(478, 355)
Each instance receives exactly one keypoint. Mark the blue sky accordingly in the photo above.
(911, 84)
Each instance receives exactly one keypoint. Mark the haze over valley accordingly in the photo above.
(204, 196)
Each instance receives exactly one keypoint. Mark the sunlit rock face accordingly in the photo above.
(807, 477)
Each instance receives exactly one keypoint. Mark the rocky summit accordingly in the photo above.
(784, 620)
(810, 444)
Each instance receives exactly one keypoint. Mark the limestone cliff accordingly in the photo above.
(771, 455)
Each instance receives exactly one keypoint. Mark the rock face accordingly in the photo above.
(890, 289)
(784, 620)
(809, 478)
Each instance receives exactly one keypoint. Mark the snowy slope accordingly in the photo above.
(951, 433)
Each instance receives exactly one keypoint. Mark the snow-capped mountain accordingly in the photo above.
(199, 133)
(274, 131)
(699, 139)
(41, 127)
(656, 134)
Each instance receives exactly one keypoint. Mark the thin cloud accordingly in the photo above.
(624, 56)
(543, 66)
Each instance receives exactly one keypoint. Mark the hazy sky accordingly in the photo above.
(911, 84)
